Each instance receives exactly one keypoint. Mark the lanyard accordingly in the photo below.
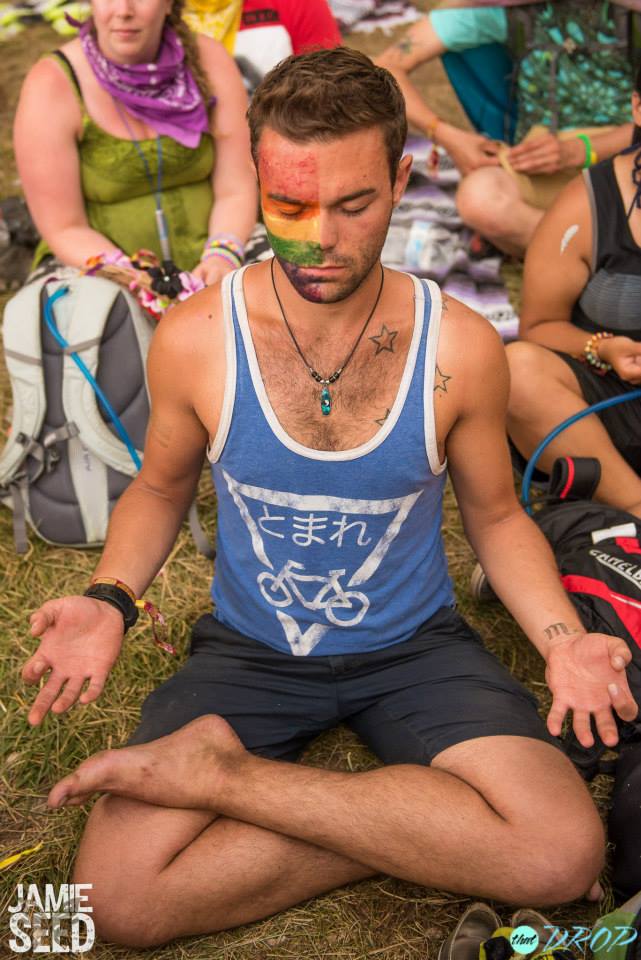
(161, 220)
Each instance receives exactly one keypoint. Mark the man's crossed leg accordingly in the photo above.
(198, 834)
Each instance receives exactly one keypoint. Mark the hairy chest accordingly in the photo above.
(361, 399)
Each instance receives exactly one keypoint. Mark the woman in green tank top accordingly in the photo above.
(133, 130)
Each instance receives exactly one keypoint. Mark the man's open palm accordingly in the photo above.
(80, 642)
(586, 674)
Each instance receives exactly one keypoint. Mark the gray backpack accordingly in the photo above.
(70, 455)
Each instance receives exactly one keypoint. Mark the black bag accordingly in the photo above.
(598, 552)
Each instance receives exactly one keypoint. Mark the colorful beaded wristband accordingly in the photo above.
(590, 153)
(225, 244)
(591, 353)
(227, 255)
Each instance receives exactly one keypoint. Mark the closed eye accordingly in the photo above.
(354, 212)
(290, 213)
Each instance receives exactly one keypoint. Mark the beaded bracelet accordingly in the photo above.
(227, 255)
(591, 355)
(225, 244)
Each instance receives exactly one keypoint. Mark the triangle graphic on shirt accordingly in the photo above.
(330, 594)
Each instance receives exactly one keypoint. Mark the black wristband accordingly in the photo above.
(112, 594)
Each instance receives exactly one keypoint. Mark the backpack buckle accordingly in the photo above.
(52, 457)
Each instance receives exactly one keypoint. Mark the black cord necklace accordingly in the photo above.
(636, 181)
(325, 397)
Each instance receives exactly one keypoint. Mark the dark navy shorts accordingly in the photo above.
(407, 702)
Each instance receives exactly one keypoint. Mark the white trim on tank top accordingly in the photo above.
(215, 448)
(235, 288)
(434, 329)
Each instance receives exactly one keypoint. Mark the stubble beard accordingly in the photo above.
(327, 290)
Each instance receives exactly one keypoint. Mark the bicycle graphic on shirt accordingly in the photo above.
(342, 608)
(335, 597)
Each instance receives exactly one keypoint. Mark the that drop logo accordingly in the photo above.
(524, 940)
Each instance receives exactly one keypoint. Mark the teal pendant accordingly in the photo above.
(325, 402)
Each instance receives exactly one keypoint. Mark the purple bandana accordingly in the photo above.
(163, 94)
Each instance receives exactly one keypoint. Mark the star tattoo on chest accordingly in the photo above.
(440, 380)
(384, 340)
(382, 420)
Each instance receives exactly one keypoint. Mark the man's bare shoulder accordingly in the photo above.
(189, 341)
(472, 352)
(466, 331)
(189, 325)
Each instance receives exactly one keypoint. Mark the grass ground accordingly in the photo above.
(382, 918)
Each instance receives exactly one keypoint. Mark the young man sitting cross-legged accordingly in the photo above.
(328, 393)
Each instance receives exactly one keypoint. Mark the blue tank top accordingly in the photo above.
(328, 552)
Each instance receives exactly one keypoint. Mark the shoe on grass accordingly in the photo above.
(480, 587)
(477, 924)
(501, 946)
(525, 917)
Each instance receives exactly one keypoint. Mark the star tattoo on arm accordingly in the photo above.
(440, 380)
(405, 45)
(384, 340)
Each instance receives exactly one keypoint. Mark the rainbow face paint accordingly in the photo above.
(326, 207)
(293, 230)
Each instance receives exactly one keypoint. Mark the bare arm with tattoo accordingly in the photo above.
(419, 45)
(585, 671)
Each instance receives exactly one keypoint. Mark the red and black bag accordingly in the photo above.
(598, 552)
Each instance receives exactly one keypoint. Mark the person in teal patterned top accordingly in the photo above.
(591, 87)
(573, 75)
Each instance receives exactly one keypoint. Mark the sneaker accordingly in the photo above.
(477, 924)
(480, 587)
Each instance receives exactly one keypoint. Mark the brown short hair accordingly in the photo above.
(327, 94)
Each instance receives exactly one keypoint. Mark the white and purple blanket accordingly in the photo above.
(427, 237)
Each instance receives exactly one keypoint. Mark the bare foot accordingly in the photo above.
(183, 770)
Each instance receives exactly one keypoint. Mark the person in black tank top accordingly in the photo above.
(581, 326)
(581, 330)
